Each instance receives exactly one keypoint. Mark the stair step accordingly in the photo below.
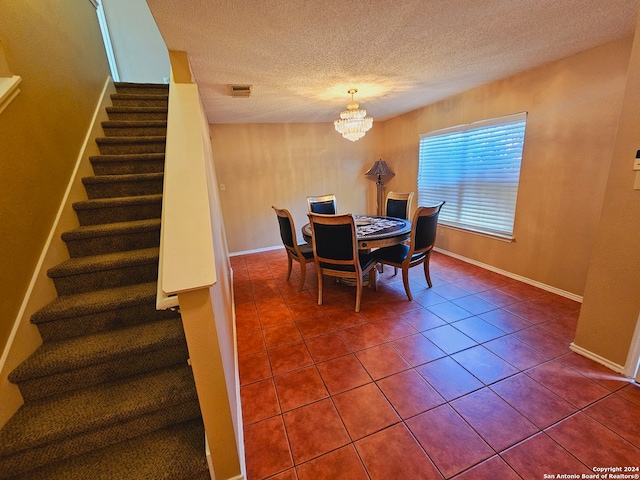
(175, 452)
(121, 128)
(57, 367)
(142, 88)
(127, 163)
(96, 416)
(129, 145)
(110, 186)
(112, 237)
(123, 209)
(137, 113)
(95, 272)
(92, 312)
(140, 100)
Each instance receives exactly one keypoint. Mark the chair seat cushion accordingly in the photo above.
(396, 254)
(306, 249)
(366, 259)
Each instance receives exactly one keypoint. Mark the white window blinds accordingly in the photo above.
(475, 169)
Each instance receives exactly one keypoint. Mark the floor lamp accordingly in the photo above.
(380, 169)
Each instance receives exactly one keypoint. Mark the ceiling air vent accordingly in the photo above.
(240, 91)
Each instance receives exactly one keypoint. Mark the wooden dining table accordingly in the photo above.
(374, 231)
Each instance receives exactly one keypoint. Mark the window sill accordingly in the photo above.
(8, 90)
(495, 236)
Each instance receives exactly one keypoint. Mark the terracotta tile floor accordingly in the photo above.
(473, 379)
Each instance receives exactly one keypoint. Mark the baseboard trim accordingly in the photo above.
(257, 250)
(596, 358)
(543, 286)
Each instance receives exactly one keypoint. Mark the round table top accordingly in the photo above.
(374, 231)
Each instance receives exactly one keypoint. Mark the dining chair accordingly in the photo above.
(335, 248)
(325, 204)
(301, 253)
(398, 205)
(423, 238)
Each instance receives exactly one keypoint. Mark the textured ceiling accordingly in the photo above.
(301, 56)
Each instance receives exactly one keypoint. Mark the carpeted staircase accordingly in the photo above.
(109, 394)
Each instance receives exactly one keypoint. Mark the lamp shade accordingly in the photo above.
(381, 168)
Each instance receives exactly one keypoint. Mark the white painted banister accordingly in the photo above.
(186, 245)
(195, 273)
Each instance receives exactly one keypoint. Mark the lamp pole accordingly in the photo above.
(380, 186)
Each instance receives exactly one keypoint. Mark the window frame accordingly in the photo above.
(481, 197)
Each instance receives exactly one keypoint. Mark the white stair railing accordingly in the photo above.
(195, 273)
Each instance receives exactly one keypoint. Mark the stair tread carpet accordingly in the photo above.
(118, 164)
(116, 201)
(133, 123)
(141, 128)
(107, 261)
(111, 229)
(79, 352)
(172, 453)
(96, 301)
(131, 139)
(38, 422)
(141, 88)
(134, 177)
(135, 109)
(139, 96)
(156, 99)
(124, 157)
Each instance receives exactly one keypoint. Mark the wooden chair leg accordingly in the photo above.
(319, 286)
(427, 275)
(373, 278)
(358, 292)
(405, 280)
(303, 274)
(289, 267)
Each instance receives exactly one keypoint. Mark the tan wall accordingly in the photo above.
(612, 295)
(57, 50)
(276, 164)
